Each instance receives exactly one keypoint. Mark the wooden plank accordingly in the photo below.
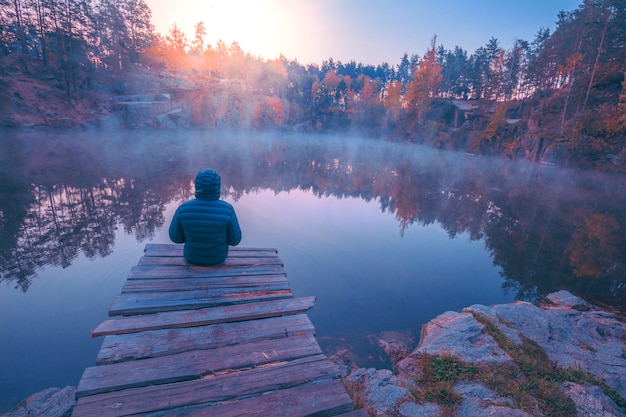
(205, 316)
(242, 253)
(264, 282)
(195, 364)
(155, 343)
(236, 385)
(141, 303)
(157, 271)
(176, 260)
(178, 247)
(150, 246)
(320, 398)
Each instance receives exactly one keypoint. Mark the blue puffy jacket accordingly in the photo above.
(206, 224)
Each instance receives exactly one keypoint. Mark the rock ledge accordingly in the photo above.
(569, 336)
(52, 402)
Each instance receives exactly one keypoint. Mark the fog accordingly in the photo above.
(385, 235)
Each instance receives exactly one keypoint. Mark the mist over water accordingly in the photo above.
(386, 236)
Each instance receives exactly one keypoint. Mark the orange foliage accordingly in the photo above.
(367, 93)
(497, 122)
(331, 81)
(592, 249)
(174, 50)
(392, 100)
(426, 80)
(566, 72)
(427, 77)
(268, 112)
(277, 68)
(154, 54)
(404, 194)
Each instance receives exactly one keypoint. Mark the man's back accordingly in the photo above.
(206, 224)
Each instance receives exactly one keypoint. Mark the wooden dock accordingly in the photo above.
(192, 341)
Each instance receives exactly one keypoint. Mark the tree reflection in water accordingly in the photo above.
(547, 228)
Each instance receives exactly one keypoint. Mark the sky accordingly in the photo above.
(365, 31)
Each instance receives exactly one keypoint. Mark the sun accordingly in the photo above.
(261, 28)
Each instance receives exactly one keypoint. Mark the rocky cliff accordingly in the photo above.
(32, 95)
(562, 357)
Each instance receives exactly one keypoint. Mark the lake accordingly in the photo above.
(385, 235)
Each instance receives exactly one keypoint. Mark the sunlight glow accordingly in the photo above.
(263, 29)
(371, 32)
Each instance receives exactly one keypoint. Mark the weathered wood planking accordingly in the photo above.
(133, 303)
(217, 388)
(220, 341)
(153, 343)
(194, 364)
(319, 398)
(160, 249)
(191, 283)
(203, 316)
(176, 260)
(178, 249)
(182, 271)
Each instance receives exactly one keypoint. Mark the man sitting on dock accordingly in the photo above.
(206, 224)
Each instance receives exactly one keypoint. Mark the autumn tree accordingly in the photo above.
(393, 100)
(197, 45)
(268, 112)
(499, 134)
(219, 57)
(153, 55)
(567, 73)
(175, 46)
(236, 61)
(421, 91)
(367, 107)
(330, 100)
(327, 91)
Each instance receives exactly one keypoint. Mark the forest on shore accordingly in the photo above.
(559, 97)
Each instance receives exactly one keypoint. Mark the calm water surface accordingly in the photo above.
(386, 236)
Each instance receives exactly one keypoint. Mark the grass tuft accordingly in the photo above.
(579, 376)
(543, 375)
(438, 376)
(532, 382)
(356, 391)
